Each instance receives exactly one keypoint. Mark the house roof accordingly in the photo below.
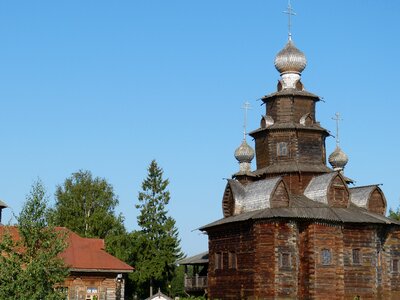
(83, 254)
(159, 296)
(199, 259)
(303, 208)
(88, 254)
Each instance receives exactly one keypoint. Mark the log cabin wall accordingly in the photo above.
(87, 285)
(391, 265)
(227, 281)
(297, 183)
(285, 109)
(286, 260)
(361, 244)
(322, 271)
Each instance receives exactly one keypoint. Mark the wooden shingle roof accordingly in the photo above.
(303, 208)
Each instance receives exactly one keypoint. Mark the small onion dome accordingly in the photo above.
(290, 59)
(244, 154)
(338, 159)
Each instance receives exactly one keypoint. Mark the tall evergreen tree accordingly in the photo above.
(86, 205)
(30, 267)
(158, 236)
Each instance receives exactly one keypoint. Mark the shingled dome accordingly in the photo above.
(338, 159)
(244, 153)
(290, 59)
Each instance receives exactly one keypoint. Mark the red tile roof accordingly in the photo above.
(84, 254)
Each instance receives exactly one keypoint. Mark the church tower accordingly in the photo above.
(293, 228)
(290, 141)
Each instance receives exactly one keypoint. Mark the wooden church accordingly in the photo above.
(294, 228)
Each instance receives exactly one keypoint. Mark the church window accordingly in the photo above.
(285, 260)
(282, 149)
(339, 194)
(395, 265)
(218, 261)
(356, 257)
(326, 257)
(232, 260)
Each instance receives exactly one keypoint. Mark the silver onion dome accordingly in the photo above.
(338, 159)
(244, 153)
(290, 59)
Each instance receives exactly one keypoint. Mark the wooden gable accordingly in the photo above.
(377, 202)
(338, 192)
(261, 194)
(370, 197)
(280, 196)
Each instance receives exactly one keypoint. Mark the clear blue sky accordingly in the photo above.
(108, 86)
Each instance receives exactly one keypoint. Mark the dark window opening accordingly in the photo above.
(285, 260)
(218, 261)
(356, 257)
(326, 257)
(395, 265)
(232, 260)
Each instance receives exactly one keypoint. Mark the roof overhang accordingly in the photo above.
(100, 270)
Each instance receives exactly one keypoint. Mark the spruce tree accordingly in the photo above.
(158, 237)
(30, 267)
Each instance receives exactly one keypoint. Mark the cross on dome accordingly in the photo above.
(246, 107)
(337, 119)
(290, 13)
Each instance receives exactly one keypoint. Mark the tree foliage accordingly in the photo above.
(86, 206)
(394, 214)
(30, 267)
(158, 237)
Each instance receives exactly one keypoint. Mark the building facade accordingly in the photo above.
(295, 228)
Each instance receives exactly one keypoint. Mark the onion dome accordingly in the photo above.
(244, 155)
(338, 159)
(290, 59)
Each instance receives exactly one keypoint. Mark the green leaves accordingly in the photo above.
(86, 206)
(30, 266)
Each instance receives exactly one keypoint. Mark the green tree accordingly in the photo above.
(86, 205)
(30, 266)
(158, 237)
(395, 215)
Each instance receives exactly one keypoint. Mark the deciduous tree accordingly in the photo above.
(86, 205)
(30, 266)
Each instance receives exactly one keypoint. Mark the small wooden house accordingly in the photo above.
(94, 273)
